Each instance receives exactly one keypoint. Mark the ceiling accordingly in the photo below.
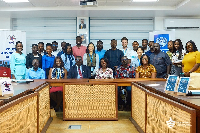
(105, 8)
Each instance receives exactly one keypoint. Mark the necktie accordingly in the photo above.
(79, 71)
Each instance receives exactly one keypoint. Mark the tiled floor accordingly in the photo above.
(123, 125)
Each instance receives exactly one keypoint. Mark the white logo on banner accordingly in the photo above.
(162, 41)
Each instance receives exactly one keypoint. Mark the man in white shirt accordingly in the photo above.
(130, 54)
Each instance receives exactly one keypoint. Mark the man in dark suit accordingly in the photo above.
(79, 71)
(82, 25)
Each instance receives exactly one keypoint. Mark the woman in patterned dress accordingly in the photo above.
(57, 72)
(104, 72)
(145, 70)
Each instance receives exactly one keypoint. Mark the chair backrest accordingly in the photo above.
(5, 72)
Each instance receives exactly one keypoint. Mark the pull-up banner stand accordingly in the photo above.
(7, 45)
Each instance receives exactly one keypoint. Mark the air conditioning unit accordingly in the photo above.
(89, 3)
(182, 23)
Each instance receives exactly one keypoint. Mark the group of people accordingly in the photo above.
(146, 61)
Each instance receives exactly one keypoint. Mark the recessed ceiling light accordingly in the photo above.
(145, 0)
(15, 1)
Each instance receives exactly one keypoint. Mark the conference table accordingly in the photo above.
(95, 99)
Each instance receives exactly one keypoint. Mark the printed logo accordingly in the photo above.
(170, 123)
(11, 39)
(162, 39)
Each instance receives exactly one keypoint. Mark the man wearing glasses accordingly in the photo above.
(55, 48)
(124, 93)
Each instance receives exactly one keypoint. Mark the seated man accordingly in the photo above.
(125, 70)
(79, 71)
(35, 72)
(124, 93)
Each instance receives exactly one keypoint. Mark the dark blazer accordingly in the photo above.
(73, 74)
(84, 26)
(30, 58)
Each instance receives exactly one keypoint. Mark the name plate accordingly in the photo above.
(6, 87)
(171, 83)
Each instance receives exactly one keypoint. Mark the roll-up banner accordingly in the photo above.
(7, 45)
(162, 37)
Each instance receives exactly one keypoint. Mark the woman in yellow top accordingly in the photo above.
(145, 70)
(191, 61)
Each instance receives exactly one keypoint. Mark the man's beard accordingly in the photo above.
(99, 49)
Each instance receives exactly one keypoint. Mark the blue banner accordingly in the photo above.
(162, 39)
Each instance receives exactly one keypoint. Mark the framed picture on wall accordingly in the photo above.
(83, 36)
(82, 23)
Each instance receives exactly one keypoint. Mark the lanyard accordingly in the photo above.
(91, 58)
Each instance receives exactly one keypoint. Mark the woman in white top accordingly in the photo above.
(91, 59)
(104, 72)
(140, 52)
(177, 57)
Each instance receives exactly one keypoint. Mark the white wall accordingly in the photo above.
(5, 23)
(183, 34)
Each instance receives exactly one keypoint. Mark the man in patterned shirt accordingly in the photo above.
(125, 70)
(124, 93)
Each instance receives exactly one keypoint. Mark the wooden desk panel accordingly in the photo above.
(189, 101)
(19, 116)
(158, 110)
(88, 101)
(43, 106)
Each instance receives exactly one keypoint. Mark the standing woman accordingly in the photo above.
(136, 62)
(48, 60)
(104, 72)
(191, 61)
(177, 57)
(18, 62)
(91, 59)
(67, 57)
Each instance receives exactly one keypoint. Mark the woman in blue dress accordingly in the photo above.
(48, 60)
(18, 62)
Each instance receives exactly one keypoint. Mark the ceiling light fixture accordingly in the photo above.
(15, 1)
(145, 0)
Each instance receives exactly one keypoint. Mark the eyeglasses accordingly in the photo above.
(124, 59)
(78, 59)
(144, 59)
(55, 45)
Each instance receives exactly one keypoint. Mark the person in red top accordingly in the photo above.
(79, 50)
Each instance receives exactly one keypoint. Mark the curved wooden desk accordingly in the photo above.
(186, 109)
